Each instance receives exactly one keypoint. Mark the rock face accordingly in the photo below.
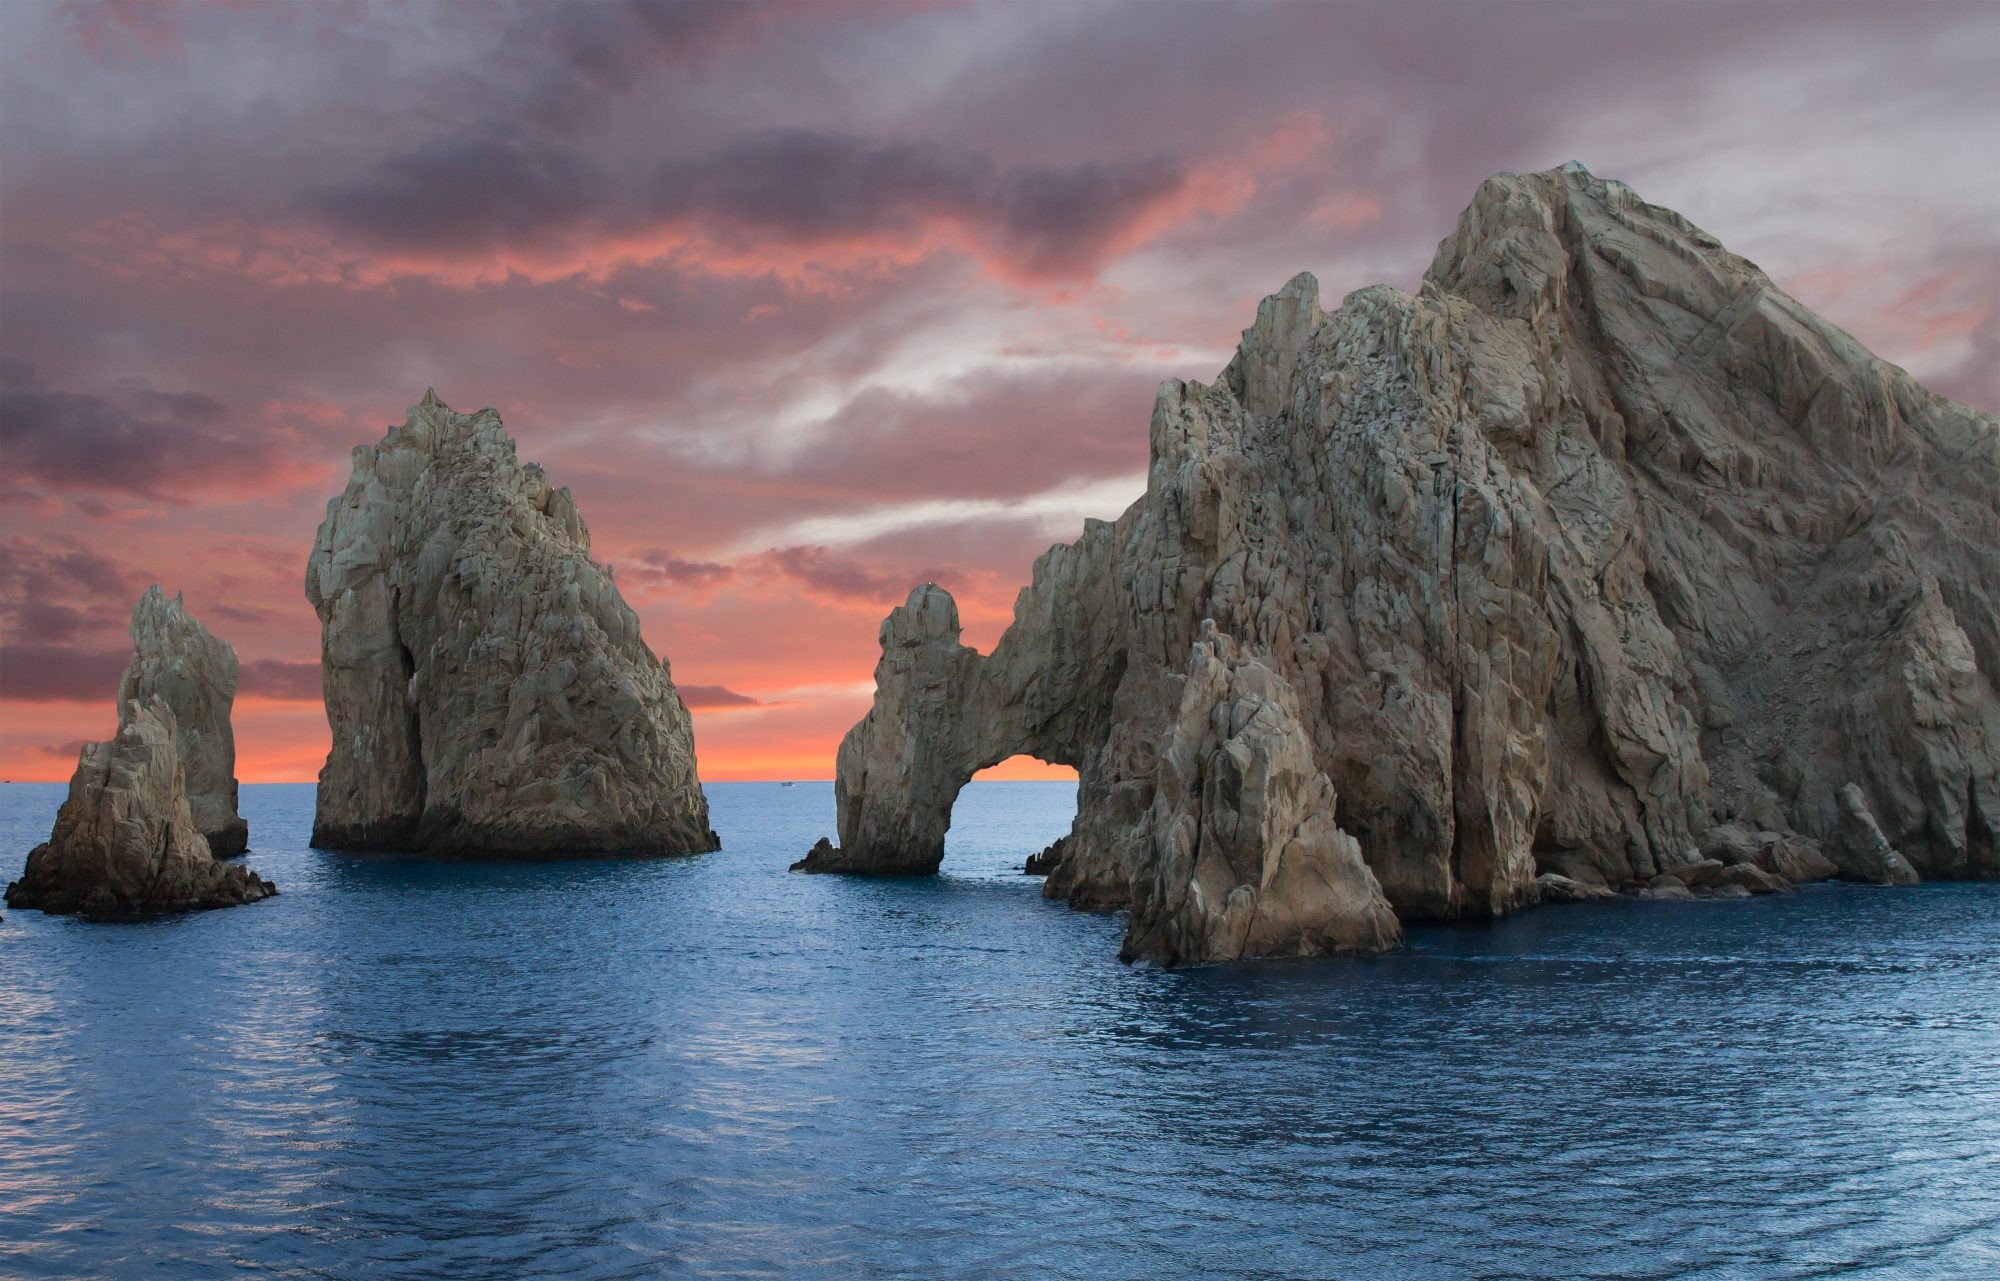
(178, 661)
(899, 771)
(486, 685)
(1247, 860)
(1043, 863)
(1595, 544)
(125, 843)
(1863, 853)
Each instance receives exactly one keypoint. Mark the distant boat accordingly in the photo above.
(784, 785)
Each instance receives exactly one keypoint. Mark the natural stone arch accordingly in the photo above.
(1596, 558)
(943, 712)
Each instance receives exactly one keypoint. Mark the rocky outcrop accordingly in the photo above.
(1862, 852)
(1597, 543)
(125, 844)
(898, 772)
(178, 661)
(1554, 887)
(1247, 861)
(486, 685)
(1045, 862)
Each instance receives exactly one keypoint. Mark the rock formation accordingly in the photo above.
(486, 685)
(125, 843)
(180, 662)
(1595, 545)
(1862, 852)
(1247, 860)
(1040, 864)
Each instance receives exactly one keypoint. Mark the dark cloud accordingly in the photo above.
(472, 193)
(754, 193)
(137, 442)
(46, 620)
(37, 673)
(812, 185)
(62, 751)
(55, 591)
(715, 698)
(824, 572)
(989, 435)
(280, 680)
(574, 60)
(664, 569)
(812, 568)
(254, 614)
(612, 44)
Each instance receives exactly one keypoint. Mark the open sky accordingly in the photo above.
(808, 304)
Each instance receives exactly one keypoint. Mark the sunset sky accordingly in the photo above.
(806, 305)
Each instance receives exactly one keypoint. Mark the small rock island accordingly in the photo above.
(487, 688)
(1597, 566)
(149, 811)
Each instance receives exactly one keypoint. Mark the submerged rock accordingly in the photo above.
(125, 844)
(1597, 543)
(1750, 879)
(818, 857)
(1045, 862)
(1557, 888)
(486, 685)
(180, 662)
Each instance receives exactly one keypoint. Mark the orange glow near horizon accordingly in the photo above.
(286, 742)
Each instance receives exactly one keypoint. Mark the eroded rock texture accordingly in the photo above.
(487, 687)
(125, 844)
(1596, 544)
(180, 662)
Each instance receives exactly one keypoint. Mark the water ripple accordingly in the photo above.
(710, 1068)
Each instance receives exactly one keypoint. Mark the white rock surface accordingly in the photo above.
(180, 662)
(1594, 544)
(486, 685)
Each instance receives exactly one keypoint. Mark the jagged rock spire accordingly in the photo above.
(180, 662)
(487, 687)
(125, 845)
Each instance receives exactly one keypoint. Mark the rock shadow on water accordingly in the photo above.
(397, 871)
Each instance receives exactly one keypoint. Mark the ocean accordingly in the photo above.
(710, 1067)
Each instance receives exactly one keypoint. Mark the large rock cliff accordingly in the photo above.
(178, 661)
(1596, 552)
(125, 845)
(486, 685)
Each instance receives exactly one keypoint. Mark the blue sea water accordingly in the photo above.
(711, 1068)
